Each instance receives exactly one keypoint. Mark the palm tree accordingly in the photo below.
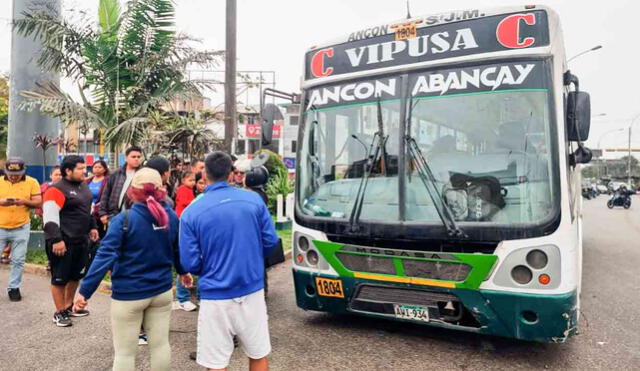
(125, 67)
(192, 137)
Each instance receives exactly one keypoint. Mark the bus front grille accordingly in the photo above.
(366, 263)
(394, 295)
(380, 300)
(436, 270)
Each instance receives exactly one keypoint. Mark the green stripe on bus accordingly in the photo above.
(481, 264)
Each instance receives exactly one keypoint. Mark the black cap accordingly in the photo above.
(257, 177)
(159, 164)
(14, 166)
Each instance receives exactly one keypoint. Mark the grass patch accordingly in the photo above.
(37, 257)
(286, 239)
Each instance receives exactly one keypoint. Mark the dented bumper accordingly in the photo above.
(529, 317)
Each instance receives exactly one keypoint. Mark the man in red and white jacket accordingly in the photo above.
(68, 225)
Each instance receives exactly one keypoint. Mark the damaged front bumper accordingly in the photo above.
(529, 317)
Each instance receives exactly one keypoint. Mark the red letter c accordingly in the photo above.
(317, 63)
(508, 31)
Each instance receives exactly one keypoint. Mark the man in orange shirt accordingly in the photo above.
(18, 195)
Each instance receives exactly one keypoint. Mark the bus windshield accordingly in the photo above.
(486, 139)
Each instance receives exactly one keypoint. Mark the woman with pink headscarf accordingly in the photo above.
(140, 249)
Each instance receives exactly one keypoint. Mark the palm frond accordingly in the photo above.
(53, 102)
(129, 131)
(108, 15)
(62, 41)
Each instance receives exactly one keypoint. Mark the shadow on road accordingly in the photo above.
(439, 337)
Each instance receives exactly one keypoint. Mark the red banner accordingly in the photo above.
(255, 131)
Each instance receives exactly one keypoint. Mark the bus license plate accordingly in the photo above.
(406, 32)
(328, 287)
(412, 312)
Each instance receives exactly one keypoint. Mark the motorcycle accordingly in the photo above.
(619, 199)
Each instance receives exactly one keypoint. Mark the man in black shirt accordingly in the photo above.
(68, 225)
(114, 196)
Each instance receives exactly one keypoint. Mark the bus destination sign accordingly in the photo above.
(410, 44)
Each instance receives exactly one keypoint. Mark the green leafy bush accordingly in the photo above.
(279, 184)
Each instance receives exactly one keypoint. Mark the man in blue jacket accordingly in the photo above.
(225, 235)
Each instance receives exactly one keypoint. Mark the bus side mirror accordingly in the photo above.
(267, 132)
(269, 114)
(578, 116)
(582, 155)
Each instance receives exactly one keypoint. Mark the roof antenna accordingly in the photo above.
(408, 11)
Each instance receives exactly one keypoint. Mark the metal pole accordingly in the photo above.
(402, 151)
(629, 160)
(230, 78)
(24, 74)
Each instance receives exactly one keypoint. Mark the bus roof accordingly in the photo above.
(464, 33)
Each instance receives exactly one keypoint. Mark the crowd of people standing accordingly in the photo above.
(140, 223)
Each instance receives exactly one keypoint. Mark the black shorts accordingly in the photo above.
(72, 265)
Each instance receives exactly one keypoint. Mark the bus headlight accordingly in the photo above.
(536, 267)
(521, 274)
(312, 257)
(303, 243)
(306, 253)
(537, 259)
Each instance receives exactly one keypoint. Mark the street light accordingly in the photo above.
(584, 52)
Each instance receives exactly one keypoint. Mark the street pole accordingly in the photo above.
(24, 74)
(629, 160)
(629, 153)
(230, 78)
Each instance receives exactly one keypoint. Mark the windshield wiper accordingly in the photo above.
(429, 180)
(380, 141)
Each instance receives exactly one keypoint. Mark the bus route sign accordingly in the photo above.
(411, 44)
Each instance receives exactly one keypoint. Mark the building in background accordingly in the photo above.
(248, 139)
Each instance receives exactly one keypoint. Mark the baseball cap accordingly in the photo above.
(14, 166)
(159, 163)
(146, 176)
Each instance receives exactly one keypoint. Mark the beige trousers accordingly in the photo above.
(154, 314)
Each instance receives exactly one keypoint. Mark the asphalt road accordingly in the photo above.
(609, 337)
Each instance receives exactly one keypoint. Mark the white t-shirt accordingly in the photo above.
(125, 186)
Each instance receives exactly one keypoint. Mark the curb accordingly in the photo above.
(38, 270)
(41, 270)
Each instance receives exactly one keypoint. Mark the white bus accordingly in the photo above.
(438, 174)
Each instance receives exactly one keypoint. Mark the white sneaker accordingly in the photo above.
(187, 306)
(142, 339)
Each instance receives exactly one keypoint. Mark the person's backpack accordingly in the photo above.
(276, 256)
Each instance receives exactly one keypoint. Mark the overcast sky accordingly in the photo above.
(274, 34)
